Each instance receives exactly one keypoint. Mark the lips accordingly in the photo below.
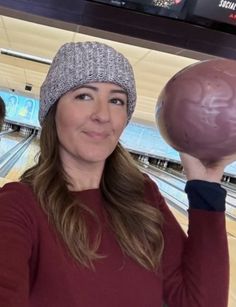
(96, 135)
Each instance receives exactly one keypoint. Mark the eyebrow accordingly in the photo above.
(85, 86)
(119, 91)
(94, 88)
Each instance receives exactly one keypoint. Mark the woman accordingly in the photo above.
(85, 227)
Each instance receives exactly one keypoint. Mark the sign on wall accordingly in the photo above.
(21, 109)
(217, 10)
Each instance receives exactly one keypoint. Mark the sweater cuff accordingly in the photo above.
(205, 195)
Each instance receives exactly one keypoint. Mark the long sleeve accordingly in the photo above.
(15, 250)
(36, 269)
(196, 266)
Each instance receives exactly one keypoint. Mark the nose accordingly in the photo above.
(101, 111)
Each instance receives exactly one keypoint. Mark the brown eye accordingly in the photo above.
(83, 97)
(118, 101)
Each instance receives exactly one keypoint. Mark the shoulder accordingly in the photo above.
(17, 198)
(15, 190)
(18, 212)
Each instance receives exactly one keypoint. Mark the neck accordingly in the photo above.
(83, 176)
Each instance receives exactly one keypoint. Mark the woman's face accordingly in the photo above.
(89, 122)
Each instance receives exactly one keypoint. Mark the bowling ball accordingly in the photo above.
(196, 110)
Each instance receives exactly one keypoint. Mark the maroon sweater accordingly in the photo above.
(37, 271)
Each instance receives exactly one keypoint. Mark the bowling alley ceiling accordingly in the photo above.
(152, 67)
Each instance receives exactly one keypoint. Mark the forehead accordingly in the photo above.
(101, 86)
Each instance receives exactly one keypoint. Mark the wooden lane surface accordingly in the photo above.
(8, 141)
(231, 228)
(24, 162)
(4, 181)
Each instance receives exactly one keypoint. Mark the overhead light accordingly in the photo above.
(25, 56)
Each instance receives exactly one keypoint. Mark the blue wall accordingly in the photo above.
(147, 139)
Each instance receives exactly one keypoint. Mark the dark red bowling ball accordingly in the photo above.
(196, 110)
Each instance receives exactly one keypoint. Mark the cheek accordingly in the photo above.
(65, 118)
(61, 123)
(119, 119)
(120, 123)
(64, 124)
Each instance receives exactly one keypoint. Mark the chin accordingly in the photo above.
(99, 157)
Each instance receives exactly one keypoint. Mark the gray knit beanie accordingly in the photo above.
(76, 64)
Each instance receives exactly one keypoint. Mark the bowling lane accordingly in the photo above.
(181, 218)
(8, 141)
(4, 181)
(25, 161)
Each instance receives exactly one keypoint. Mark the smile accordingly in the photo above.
(96, 135)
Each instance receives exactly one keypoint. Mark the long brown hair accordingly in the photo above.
(136, 224)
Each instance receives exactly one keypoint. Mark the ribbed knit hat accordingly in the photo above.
(76, 64)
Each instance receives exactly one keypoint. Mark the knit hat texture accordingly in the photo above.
(76, 64)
